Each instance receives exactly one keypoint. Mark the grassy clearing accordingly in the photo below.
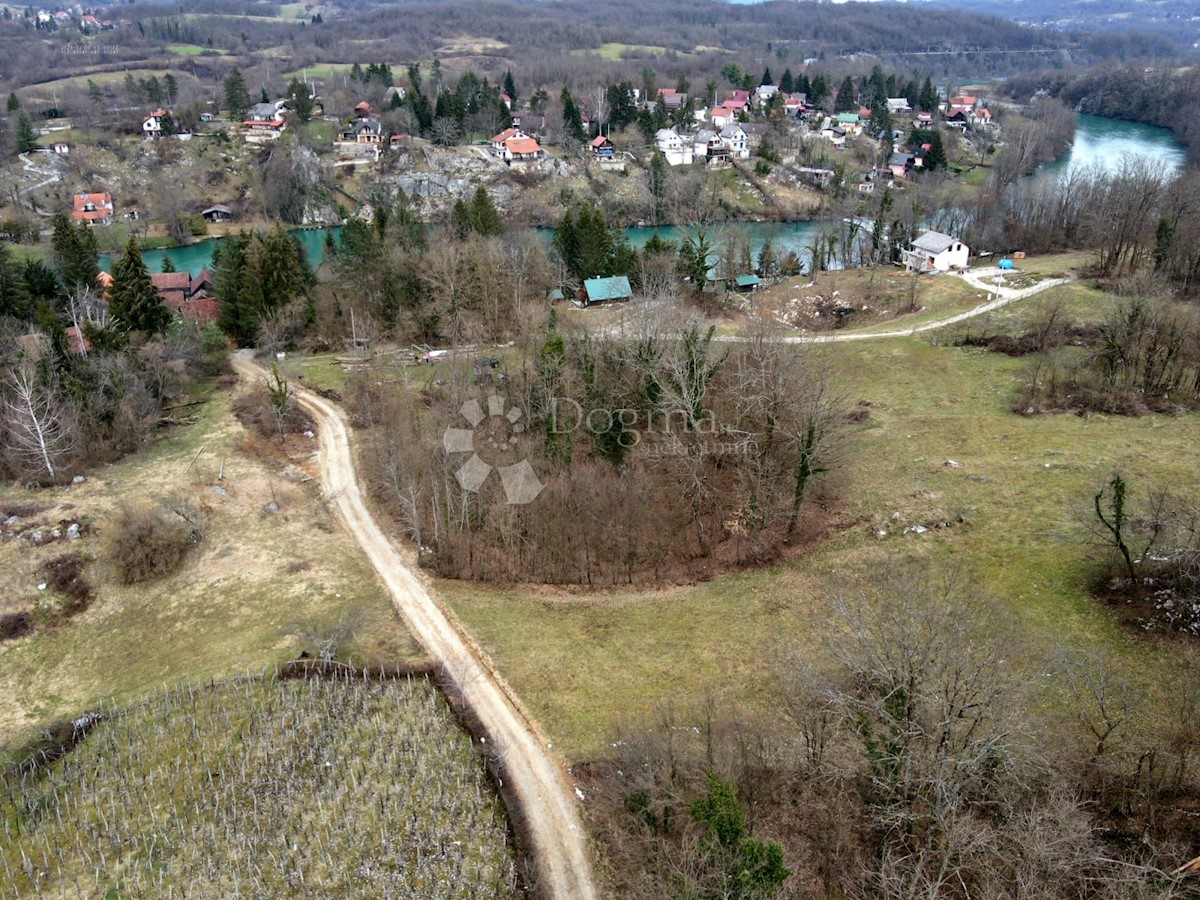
(321, 70)
(46, 90)
(616, 51)
(887, 294)
(194, 50)
(1021, 487)
(353, 782)
(228, 609)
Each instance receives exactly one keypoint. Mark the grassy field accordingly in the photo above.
(193, 50)
(616, 51)
(156, 801)
(230, 608)
(321, 70)
(887, 293)
(1015, 502)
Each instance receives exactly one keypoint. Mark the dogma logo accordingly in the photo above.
(494, 434)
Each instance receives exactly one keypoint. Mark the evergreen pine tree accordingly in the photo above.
(132, 299)
(300, 100)
(15, 301)
(26, 136)
(572, 120)
(485, 218)
(786, 82)
(167, 266)
(766, 76)
(845, 99)
(927, 101)
(936, 157)
(75, 253)
(13, 103)
(237, 98)
(460, 219)
(510, 86)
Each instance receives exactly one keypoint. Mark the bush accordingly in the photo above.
(144, 541)
(15, 625)
(65, 576)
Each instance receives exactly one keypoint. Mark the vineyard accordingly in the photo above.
(263, 788)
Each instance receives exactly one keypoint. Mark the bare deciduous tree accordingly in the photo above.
(39, 431)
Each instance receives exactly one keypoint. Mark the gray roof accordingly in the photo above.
(263, 112)
(934, 242)
(730, 131)
(900, 159)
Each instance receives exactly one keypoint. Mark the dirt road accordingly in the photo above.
(549, 811)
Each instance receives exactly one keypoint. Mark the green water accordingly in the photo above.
(194, 257)
(1105, 142)
(784, 236)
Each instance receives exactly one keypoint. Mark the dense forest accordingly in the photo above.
(543, 42)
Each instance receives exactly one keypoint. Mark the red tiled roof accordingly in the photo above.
(102, 202)
(522, 145)
(201, 310)
(722, 111)
(173, 287)
(270, 123)
(599, 140)
(504, 135)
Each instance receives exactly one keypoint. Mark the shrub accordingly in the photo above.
(65, 575)
(144, 541)
(15, 625)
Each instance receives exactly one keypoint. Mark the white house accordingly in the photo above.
(937, 252)
(765, 92)
(721, 116)
(675, 150)
(709, 148)
(152, 124)
(736, 140)
(898, 105)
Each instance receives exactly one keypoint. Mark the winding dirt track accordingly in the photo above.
(550, 814)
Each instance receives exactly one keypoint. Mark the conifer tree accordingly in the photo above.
(237, 98)
(132, 299)
(26, 136)
(75, 253)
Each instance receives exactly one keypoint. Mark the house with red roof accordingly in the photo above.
(602, 147)
(173, 287)
(964, 103)
(94, 209)
(722, 117)
(514, 145)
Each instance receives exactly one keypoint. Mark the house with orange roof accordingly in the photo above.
(94, 209)
(514, 145)
(722, 117)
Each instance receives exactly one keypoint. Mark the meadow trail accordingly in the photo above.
(549, 813)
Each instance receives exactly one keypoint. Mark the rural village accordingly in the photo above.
(512, 449)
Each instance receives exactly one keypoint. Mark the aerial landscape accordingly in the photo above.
(542, 449)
